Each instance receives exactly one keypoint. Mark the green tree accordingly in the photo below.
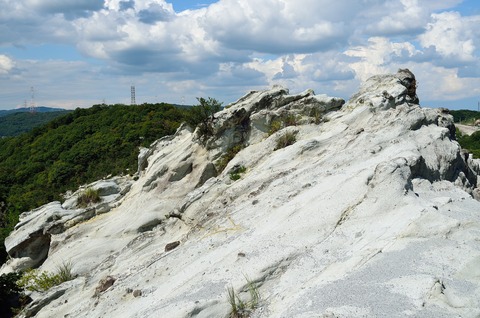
(203, 114)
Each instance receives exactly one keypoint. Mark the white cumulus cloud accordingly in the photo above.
(6, 64)
(453, 36)
(230, 45)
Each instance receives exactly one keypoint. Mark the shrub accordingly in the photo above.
(11, 296)
(287, 139)
(88, 197)
(241, 308)
(34, 280)
(236, 173)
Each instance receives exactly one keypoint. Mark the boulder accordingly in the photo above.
(387, 91)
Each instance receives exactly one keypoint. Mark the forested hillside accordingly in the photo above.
(79, 147)
(20, 122)
(472, 142)
(465, 116)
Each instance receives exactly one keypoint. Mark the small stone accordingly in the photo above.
(171, 246)
(137, 293)
(104, 284)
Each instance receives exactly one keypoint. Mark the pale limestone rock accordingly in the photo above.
(368, 214)
(29, 243)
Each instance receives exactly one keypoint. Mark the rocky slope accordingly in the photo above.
(372, 212)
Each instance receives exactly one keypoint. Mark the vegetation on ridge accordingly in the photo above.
(465, 116)
(202, 115)
(21, 122)
(472, 142)
(11, 295)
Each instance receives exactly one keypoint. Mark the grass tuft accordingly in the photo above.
(89, 196)
(287, 139)
(241, 308)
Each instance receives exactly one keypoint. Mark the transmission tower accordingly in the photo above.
(132, 95)
(33, 108)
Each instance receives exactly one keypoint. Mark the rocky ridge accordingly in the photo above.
(373, 211)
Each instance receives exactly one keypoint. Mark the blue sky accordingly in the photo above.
(76, 53)
(181, 5)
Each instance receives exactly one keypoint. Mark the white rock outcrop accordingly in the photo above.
(370, 213)
(30, 242)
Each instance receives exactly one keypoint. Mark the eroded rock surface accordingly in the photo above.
(370, 213)
(30, 242)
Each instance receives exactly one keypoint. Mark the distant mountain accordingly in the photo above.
(15, 122)
(39, 109)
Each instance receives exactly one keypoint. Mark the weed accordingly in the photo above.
(241, 308)
(287, 139)
(227, 156)
(275, 125)
(317, 115)
(236, 173)
(34, 280)
(290, 120)
(282, 122)
(88, 197)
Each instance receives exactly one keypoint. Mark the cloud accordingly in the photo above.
(273, 26)
(232, 45)
(6, 64)
(287, 72)
(155, 13)
(71, 9)
(125, 5)
(453, 37)
(398, 17)
(379, 56)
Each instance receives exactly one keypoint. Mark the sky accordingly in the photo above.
(77, 53)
